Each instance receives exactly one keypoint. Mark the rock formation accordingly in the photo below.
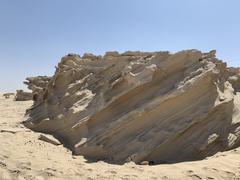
(153, 107)
(8, 95)
(23, 96)
(37, 85)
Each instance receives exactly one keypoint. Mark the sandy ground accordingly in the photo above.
(23, 156)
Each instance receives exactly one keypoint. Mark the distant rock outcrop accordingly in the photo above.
(154, 107)
(23, 96)
(38, 86)
(8, 95)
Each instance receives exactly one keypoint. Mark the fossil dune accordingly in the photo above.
(155, 107)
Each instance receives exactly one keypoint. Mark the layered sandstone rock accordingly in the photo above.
(38, 86)
(23, 96)
(138, 106)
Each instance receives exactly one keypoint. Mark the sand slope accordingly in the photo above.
(23, 156)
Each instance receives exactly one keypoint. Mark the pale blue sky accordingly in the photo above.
(35, 34)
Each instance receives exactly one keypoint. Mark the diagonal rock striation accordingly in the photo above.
(140, 106)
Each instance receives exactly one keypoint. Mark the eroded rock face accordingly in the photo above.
(38, 86)
(23, 96)
(139, 106)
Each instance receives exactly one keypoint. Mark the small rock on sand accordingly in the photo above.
(50, 139)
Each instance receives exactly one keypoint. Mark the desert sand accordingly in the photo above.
(24, 156)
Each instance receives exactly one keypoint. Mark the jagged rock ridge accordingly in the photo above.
(140, 106)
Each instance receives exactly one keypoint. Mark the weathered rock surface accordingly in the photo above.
(138, 106)
(23, 96)
(37, 85)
